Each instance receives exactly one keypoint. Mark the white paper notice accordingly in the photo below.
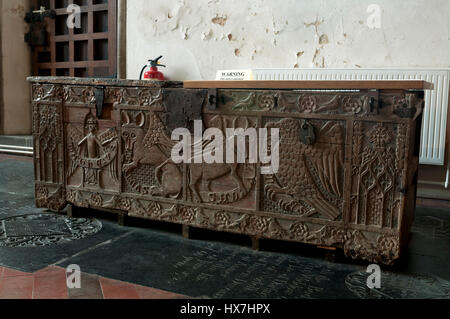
(235, 75)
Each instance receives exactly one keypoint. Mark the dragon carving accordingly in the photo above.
(154, 147)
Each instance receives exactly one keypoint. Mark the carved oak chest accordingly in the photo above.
(346, 175)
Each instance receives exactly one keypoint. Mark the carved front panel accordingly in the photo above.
(92, 148)
(230, 184)
(93, 151)
(379, 165)
(310, 180)
(147, 168)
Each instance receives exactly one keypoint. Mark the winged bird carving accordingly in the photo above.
(309, 179)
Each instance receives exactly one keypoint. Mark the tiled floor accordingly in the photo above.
(50, 283)
(152, 260)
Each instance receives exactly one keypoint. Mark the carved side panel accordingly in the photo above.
(378, 173)
(310, 180)
(48, 146)
(92, 152)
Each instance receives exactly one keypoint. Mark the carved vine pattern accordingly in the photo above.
(129, 96)
(354, 242)
(354, 104)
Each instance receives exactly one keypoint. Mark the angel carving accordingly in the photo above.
(92, 151)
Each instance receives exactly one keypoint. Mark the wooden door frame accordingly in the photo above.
(111, 63)
(121, 39)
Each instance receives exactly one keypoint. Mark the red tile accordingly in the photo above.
(114, 289)
(16, 287)
(90, 288)
(50, 271)
(50, 283)
(9, 272)
(153, 293)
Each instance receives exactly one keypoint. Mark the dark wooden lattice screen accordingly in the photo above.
(89, 51)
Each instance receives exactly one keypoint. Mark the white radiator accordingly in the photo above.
(432, 149)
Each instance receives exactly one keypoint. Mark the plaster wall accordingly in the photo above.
(197, 37)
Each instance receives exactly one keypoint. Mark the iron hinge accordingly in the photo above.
(99, 93)
(374, 101)
(212, 99)
(183, 107)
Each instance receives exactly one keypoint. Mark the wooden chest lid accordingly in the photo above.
(63, 80)
(324, 85)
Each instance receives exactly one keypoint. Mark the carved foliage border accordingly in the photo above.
(355, 243)
(396, 105)
(141, 97)
(51, 197)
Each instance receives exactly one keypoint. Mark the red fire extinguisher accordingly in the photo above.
(153, 74)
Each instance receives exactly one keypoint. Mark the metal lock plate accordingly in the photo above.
(99, 93)
(408, 109)
(374, 102)
(307, 134)
(183, 107)
(212, 99)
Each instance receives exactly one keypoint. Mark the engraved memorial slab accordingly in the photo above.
(36, 227)
(44, 229)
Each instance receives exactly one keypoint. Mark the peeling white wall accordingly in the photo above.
(198, 37)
